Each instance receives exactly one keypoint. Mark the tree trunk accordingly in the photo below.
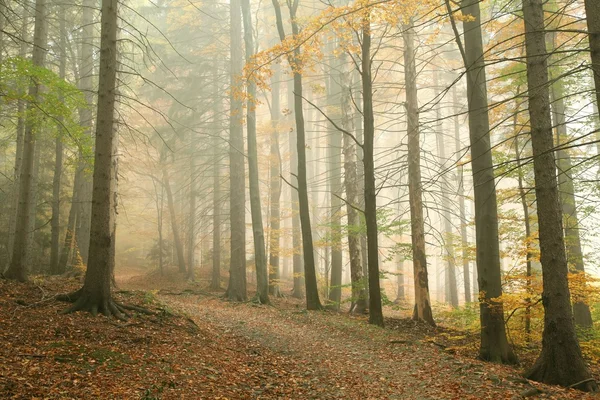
(375, 311)
(95, 295)
(174, 226)
(20, 133)
(55, 222)
(236, 289)
(560, 361)
(310, 275)
(18, 268)
(191, 248)
(275, 184)
(422, 310)
(260, 257)
(351, 182)
(494, 345)
(451, 286)
(581, 311)
(461, 198)
(335, 180)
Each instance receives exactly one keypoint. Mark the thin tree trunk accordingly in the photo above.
(55, 222)
(359, 295)
(236, 289)
(375, 311)
(310, 275)
(191, 249)
(560, 361)
(18, 268)
(461, 198)
(275, 187)
(174, 227)
(260, 256)
(451, 286)
(335, 180)
(422, 310)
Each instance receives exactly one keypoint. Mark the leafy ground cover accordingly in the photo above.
(195, 345)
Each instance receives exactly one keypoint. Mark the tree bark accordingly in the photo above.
(422, 310)
(18, 268)
(560, 361)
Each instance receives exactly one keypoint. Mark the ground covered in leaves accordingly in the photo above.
(195, 345)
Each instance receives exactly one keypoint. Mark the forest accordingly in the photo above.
(299, 199)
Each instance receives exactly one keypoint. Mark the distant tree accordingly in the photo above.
(18, 268)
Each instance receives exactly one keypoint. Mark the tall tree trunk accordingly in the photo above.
(236, 289)
(297, 267)
(18, 268)
(581, 311)
(174, 226)
(528, 252)
(215, 282)
(55, 222)
(191, 248)
(560, 361)
(375, 311)
(494, 345)
(592, 11)
(451, 286)
(422, 310)
(159, 195)
(352, 186)
(464, 243)
(86, 84)
(310, 275)
(20, 133)
(275, 184)
(335, 180)
(260, 257)
(95, 295)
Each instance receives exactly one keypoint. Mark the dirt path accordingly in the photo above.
(335, 356)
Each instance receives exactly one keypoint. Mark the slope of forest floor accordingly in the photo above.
(195, 345)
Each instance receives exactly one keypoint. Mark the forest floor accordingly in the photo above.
(195, 345)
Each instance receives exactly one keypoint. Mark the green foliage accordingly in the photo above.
(54, 110)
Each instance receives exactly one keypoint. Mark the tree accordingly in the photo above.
(375, 311)
(310, 275)
(422, 310)
(275, 184)
(18, 268)
(260, 257)
(560, 361)
(95, 296)
(236, 290)
(494, 345)
(58, 160)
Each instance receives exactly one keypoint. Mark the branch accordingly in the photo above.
(333, 123)
(286, 181)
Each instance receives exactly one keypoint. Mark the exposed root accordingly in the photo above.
(86, 302)
(140, 310)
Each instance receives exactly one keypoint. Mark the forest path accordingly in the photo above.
(329, 355)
